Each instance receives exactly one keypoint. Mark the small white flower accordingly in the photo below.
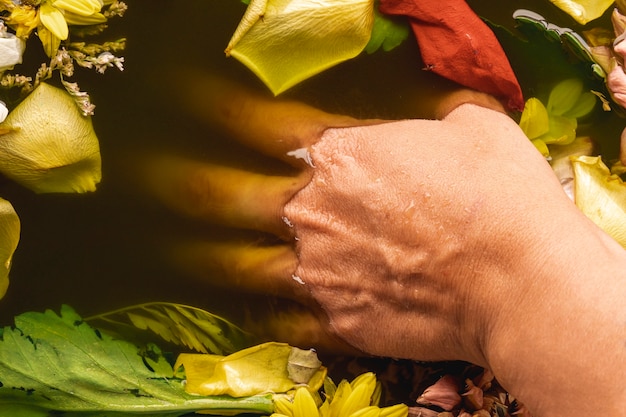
(11, 50)
(4, 112)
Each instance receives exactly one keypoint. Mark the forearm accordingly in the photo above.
(559, 343)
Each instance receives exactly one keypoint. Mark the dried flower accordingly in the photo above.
(11, 49)
(444, 393)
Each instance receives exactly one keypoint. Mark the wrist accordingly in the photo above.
(557, 342)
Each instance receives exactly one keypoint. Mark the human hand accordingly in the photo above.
(422, 239)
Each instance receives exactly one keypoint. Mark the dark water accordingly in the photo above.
(102, 251)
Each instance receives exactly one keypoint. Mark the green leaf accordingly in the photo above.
(585, 104)
(61, 364)
(388, 32)
(180, 324)
(564, 96)
(562, 131)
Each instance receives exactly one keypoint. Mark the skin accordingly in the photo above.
(448, 238)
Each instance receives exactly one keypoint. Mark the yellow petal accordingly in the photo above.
(398, 410)
(291, 40)
(583, 11)
(256, 370)
(51, 146)
(370, 411)
(283, 406)
(360, 397)
(534, 121)
(9, 237)
(92, 19)
(303, 404)
(339, 398)
(79, 7)
(53, 19)
(49, 42)
(601, 196)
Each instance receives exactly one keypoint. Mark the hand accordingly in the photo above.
(423, 239)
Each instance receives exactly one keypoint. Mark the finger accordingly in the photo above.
(234, 264)
(293, 323)
(271, 126)
(221, 195)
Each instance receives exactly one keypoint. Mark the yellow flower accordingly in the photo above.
(23, 19)
(556, 122)
(356, 399)
(56, 15)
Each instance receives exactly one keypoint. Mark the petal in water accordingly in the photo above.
(601, 196)
(50, 146)
(9, 237)
(583, 11)
(285, 42)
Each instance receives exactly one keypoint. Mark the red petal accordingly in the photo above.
(456, 44)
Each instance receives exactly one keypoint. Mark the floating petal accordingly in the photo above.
(601, 196)
(255, 370)
(583, 11)
(50, 146)
(288, 41)
(9, 237)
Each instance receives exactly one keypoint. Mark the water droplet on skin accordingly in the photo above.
(304, 154)
(287, 221)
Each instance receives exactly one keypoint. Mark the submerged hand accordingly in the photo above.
(422, 239)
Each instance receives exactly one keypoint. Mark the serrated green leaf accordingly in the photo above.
(176, 323)
(61, 364)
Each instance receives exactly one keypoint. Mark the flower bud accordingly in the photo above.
(48, 145)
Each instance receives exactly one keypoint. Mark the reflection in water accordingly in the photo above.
(105, 250)
(102, 251)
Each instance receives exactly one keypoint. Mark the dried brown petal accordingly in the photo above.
(422, 412)
(484, 380)
(473, 396)
(444, 393)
